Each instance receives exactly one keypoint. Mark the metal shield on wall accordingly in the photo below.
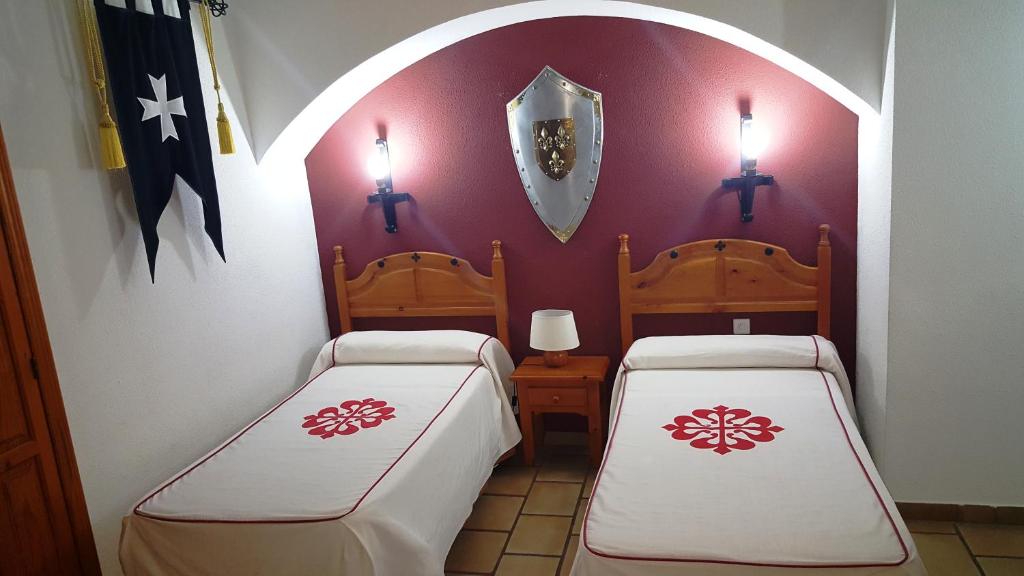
(557, 131)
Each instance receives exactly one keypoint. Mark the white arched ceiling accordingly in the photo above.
(288, 53)
(299, 137)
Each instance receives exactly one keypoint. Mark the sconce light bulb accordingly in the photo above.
(752, 144)
(378, 167)
(752, 141)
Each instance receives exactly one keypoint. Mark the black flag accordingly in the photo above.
(154, 78)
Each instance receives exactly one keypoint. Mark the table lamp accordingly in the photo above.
(554, 332)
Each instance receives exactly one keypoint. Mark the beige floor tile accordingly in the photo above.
(945, 555)
(556, 498)
(1002, 566)
(539, 535)
(994, 539)
(931, 527)
(510, 480)
(494, 513)
(475, 551)
(588, 486)
(577, 523)
(514, 565)
(570, 555)
(561, 468)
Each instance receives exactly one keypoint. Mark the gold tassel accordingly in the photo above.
(111, 152)
(227, 142)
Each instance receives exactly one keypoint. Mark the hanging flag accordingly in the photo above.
(154, 78)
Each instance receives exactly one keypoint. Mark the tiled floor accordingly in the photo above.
(527, 523)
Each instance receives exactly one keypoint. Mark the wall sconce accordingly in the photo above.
(750, 145)
(380, 168)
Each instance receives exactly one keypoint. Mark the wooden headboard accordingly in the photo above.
(412, 284)
(712, 276)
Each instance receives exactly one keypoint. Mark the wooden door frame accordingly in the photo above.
(13, 230)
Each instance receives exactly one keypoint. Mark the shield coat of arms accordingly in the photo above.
(556, 128)
(554, 143)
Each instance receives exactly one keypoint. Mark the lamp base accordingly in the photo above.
(556, 359)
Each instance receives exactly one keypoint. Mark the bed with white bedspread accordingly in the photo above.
(738, 455)
(371, 467)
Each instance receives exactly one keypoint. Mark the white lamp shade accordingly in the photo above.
(553, 331)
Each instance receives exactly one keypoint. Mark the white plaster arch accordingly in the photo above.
(305, 130)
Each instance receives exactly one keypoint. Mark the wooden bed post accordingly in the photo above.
(341, 290)
(500, 294)
(625, 301)
(824, 282)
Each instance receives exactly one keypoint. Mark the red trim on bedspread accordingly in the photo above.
(842, 425)
(888, 515)
(404, 452)
(480, 350)
(233, 438)
(138, 512)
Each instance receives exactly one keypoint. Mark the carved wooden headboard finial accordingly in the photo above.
(341, 290)
(625, 305)
(500, 285)
(824, 281)
(823, 231)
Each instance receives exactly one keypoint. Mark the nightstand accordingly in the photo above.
(574, 388)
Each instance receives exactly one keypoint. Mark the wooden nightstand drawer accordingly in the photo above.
(558, 396)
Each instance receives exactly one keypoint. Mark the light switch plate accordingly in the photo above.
(741, 325)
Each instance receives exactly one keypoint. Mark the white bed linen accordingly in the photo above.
(797, 494)
(387, 498)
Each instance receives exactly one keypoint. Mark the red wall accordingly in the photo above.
(672, 104)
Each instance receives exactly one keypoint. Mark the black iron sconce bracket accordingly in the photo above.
(746, 185)
(388, 200)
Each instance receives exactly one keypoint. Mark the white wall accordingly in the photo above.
(287, 54)
(873, 226)
(955, 391)
(153, 376)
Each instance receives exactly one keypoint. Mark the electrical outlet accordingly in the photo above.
(741, 325)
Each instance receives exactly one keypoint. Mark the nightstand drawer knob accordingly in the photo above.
(555, 398)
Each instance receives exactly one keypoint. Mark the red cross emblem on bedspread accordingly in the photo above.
(723, 429)
(348, 418)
